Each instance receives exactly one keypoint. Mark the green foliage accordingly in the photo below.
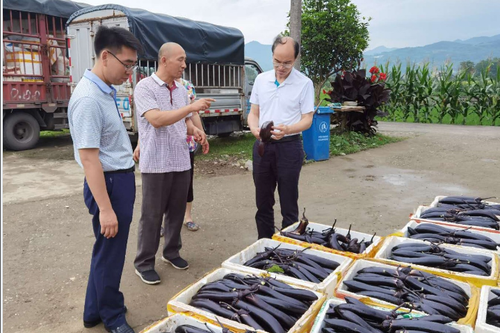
(442, 96)
(467, 67)
(334, 37)
(276, 269)
(353, 142)
(240, 147)
(489, 65)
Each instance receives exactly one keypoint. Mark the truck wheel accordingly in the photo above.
(21, 131)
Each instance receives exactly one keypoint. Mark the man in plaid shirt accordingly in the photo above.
(164, 113)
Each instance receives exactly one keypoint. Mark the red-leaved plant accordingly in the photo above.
(369, 92)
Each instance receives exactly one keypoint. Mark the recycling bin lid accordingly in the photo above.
(324, 110)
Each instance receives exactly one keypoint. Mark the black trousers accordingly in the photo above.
(279, 166)
(190, 196)
(163, 198)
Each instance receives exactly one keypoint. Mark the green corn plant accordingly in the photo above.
(410, 92)
(442, 93)
(424, 91)
(395, 84)
(469, 98)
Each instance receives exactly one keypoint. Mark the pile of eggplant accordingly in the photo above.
(465, 210)
(328, 237)
(354, 316)
(293, 263)
(493, 312)
(262, 303)
(411, 288)
(438, 234)
(194, 329)
(432, 255)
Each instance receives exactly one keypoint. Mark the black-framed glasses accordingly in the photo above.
(285, 65)
(127, 67)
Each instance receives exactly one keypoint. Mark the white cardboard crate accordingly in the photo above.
(319, 324)
(321, 227)
(180, 304)
(169, 324)
(495, 237)
(326, 286)
(391, 242)
(481, 325)
(342, 290)
(421, 209)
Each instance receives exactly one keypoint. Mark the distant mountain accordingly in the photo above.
(479, 40)
(260, 53)
(474, 49)
(380, 49)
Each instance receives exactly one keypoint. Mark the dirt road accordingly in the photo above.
(48, 236)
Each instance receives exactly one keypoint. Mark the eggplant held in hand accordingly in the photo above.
(265, 135)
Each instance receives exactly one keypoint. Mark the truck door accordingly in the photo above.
(252, 69)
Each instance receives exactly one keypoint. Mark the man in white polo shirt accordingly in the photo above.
(285, 96)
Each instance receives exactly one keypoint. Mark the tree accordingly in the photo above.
(467, 67)
(334, 37)
(295, 24)
(489, 65)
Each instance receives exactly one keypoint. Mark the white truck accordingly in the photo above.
(215, 60)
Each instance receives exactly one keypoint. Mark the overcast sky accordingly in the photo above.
(395, 23)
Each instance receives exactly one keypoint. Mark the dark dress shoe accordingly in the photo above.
(93, 323)
(125, 328)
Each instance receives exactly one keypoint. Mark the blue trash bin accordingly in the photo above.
(317, 137)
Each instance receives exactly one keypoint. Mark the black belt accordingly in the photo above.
(132, 169)
(287, 139)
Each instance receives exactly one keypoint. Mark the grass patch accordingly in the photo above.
(234, 146)
(53, 134)
(352, 142)
(240, 147)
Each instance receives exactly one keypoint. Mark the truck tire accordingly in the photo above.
(21, 131)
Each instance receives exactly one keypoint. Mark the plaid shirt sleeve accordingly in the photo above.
(145, 99)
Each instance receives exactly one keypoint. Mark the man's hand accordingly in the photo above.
(137, 153)
(256, 132)
(109, 223)
(206, 148)
(199, 136)
(202, 104)
(280, 131)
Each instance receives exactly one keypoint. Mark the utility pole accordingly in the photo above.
(296, 24)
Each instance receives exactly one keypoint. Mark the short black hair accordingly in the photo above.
(280, 40)
(114, 38)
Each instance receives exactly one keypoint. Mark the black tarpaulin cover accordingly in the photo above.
(203, 42)
(57, 8)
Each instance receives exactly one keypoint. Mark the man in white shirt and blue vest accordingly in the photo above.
(102, 148)
(285, 96)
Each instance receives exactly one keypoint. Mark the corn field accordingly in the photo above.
(424, 96)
